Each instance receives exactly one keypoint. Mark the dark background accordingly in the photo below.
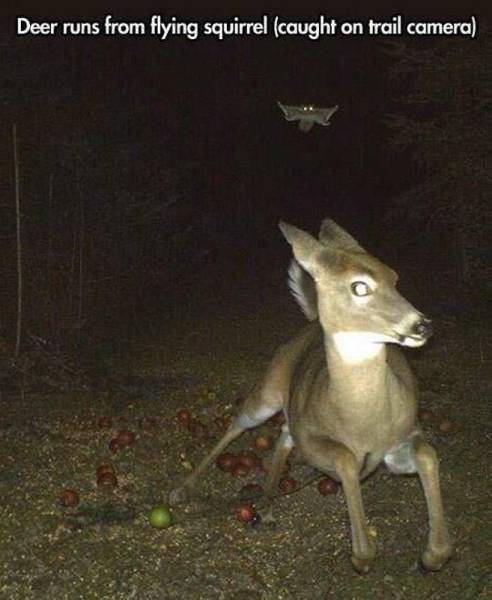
(155, 172)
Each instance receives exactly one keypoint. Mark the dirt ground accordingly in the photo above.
(203, 358)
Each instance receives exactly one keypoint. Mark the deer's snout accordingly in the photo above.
(422, 329)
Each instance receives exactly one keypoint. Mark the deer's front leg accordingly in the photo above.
(439, 546)
(416, 455)
(330, 456)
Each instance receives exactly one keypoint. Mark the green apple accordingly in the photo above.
(161, 517)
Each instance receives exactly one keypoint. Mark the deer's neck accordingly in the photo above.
(355, 363)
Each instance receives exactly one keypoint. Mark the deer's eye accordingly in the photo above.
(360, 288)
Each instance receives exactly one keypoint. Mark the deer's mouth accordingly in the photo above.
(411, 341)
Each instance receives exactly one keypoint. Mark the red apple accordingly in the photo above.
(125, 437)
(250, 490)
(426, 415)
(104, 468)
(287, 484)
(107, 480)
(263, 442)
(69, 498)
(226, 462)
(327, 486)
(184, 416)
(246, 512)
(445, 425)
(248, 459)
(240, 470)
(115, 445)
(104, 422)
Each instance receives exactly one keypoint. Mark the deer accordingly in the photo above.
(348, 395)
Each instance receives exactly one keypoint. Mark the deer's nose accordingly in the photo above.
(423, 328)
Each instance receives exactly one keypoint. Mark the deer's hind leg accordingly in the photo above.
(283, 448)
(263, 403)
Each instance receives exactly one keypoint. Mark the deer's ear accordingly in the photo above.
(305, 247)
(334, 236)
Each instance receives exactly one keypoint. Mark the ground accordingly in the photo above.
(202, 356)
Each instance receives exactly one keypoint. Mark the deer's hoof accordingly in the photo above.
(361, 565)
(178, 495)
(430, 561)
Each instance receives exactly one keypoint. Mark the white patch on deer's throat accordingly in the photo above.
(357, 346)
